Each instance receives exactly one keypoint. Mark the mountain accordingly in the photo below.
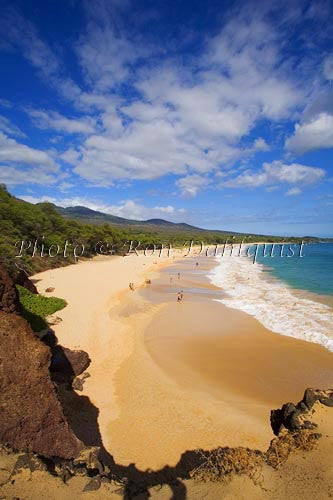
(85, 214)
(89, 216)
(29, 231)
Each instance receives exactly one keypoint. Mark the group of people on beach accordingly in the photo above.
(180, 294)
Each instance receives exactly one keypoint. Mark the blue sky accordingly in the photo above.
(206, 112)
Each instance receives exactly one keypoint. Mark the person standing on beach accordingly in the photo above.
(178, 275)
(131, 286)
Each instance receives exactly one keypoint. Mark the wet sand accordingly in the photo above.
(223, 348)
(202, 374)
(168, 377)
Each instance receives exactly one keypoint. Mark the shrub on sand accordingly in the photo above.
(35, 308)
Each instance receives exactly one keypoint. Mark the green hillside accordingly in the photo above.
(43, 226)
(90, 216)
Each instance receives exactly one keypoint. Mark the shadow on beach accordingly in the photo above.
(83, 418)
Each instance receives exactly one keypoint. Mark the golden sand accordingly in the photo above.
(169, 377)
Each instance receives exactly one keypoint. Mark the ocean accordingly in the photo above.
(288, 295)
(312, 272)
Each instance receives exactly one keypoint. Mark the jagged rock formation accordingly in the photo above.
(30, 413)
(9, 298)
(293, 417)
(68, 362)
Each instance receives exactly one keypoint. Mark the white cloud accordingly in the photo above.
(15, 176)
(184, 119)
(260, 145)
(277, 172)
(10, 129)
(21, 164)
(56, 121)
(144, 151)
(315, 134)
(293, 191)
(70, 156)
(191, 184)
(180, 124)
(15, 152)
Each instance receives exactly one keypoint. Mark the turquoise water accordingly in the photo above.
(313, 272)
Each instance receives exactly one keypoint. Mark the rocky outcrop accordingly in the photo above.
(9, 298)
(294, 417)
(68, 362)
(31, 415)
(22, 279)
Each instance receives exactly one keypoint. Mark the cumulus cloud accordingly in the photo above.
(315, 134)
(14, 152)
(191, 184)
(187, 119)
(15, 176)
(260, 145)
(21, 164)
(190, 128)
(55, 121)
(293, 191)
(277, 173)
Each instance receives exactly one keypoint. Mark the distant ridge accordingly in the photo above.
(84, 213)
(89, 216)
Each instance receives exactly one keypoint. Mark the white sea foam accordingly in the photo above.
(272, 302)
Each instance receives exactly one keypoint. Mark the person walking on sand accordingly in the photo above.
(180, 296)
(131, 285)
(178, 275)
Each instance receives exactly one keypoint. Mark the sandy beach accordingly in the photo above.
(168, 377)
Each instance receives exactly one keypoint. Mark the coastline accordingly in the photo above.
(149, 411)
(256, 290)
(92, 288)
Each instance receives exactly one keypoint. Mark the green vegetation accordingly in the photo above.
(44, 227)
(35, 308)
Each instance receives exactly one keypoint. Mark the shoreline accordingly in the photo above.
(278, 306)
(92, 288)
(147, 415)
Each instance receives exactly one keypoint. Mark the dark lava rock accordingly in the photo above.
(9, 297)
(77, 384)
(68, 362)
(292, 418)
(94, 484)
(313, 395)
(31, 415)
(23, 279)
